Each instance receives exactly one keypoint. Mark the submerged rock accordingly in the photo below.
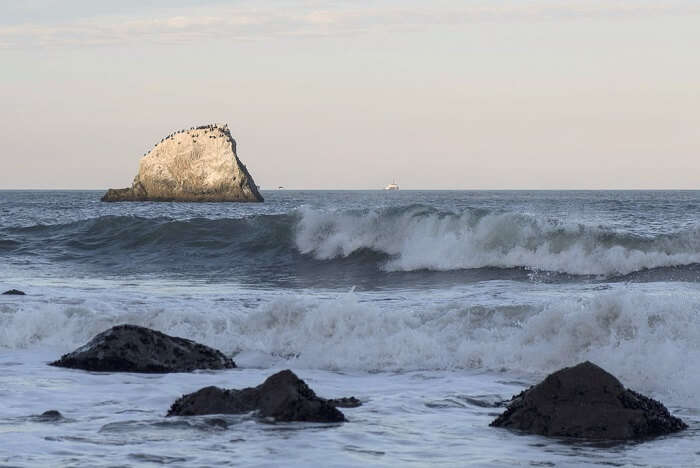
(130, 348)
(196, 165)
(49, 416)
(14, 292)
(283, 397)
(586, 401)
(345, 402)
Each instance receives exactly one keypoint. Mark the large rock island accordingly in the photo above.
(195, 165)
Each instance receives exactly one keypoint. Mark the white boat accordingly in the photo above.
(392, 186)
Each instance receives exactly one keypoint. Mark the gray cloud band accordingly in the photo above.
(255, 23)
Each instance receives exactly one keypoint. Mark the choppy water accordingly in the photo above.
(429, 306)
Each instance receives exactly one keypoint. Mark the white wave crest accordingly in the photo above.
(651, 341)
(418, 238)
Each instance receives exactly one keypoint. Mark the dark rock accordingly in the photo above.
(130, 348)
(283, 397)
(14, 292)
(347, 402)
(586, 401)
(128, 194)
(48, 416)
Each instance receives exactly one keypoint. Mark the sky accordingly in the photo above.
(470, 94)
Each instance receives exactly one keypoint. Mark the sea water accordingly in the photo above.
(430, 307)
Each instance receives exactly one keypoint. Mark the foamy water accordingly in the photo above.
(429, 308)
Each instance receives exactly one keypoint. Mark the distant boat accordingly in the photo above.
(392, 186)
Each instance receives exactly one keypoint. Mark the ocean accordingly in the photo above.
(429, 306)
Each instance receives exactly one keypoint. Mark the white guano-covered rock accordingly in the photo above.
(199, 164)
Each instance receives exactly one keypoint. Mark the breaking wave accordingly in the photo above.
(422, 238)
(412, 238)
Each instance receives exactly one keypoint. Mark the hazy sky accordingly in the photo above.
(437, 94)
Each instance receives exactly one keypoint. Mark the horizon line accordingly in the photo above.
(401, 190)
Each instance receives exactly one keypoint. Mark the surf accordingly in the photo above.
(412, 239)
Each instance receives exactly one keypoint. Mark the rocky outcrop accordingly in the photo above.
(586, 401)
(130, 348)
(283, 397)
(14, 292)
(195, 165)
